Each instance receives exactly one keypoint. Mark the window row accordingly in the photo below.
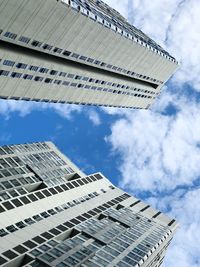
(22, 148)
(75, 56)
(44, 214)
(12, 193)
(70, 244)
(32, 197)
(12, 186)
(6, 172)
(51, 156)
(67, 102)
(44, 237)
(120, 244)
(34, 147)
(121, 240)
(68, 75)
(54, 177)
(72, 84)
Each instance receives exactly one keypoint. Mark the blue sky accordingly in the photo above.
(153, 154)
(77, 135)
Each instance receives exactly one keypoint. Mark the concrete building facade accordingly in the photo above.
(52, 214)
(82, 52)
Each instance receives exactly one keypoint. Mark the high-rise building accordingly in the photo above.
(52, 214)
(78, 51)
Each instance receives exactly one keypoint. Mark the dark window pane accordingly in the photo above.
(8, 205)
(10, 254)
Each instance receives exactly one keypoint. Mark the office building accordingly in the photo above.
(78, 51)
(52, 214)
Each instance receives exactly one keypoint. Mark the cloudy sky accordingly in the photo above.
(153, 154)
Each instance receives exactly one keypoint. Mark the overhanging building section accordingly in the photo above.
(52, 214)
(81, 52)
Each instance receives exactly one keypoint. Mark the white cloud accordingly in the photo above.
(64, 110)
(94, 117)
(154, 19)
(24, 108)
(175, 25)
(160, 151)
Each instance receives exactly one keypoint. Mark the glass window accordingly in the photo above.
(33, 68)
(43, 70)
(53, 243)
(16, 75)
(57, 81)
(73, 84)
(13, 193)
(71, 260)
(28, 77)
(16, 202)
(83, 58)
(39, 195)
(65, 83)
(38, 79)
(4, 73)
(53, 72)
(29, 221)
(111, 251)
(57, 50)
(64, 247)
(11, 228)
(36, 43)
(47, 47)
(24, 39)
(45, 214)
(70, 75)
(66, 53)
(7, 184)
(20, 224)
(3, 232)
(100, 261)
(10, 35)
(116, 246)
(63, 74)
(37, 218)
(15, 182)
(32, 197)
(47, 257)
(4, 196)
(21, 65)
(8, 63)
(44, 248)
(48, 80)
(36, 252)
(79, 256)
(132, 256)
(89, 250)
(56, 252)
(90, 60)
(105, 256)
(75, 55)
(25, 200)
